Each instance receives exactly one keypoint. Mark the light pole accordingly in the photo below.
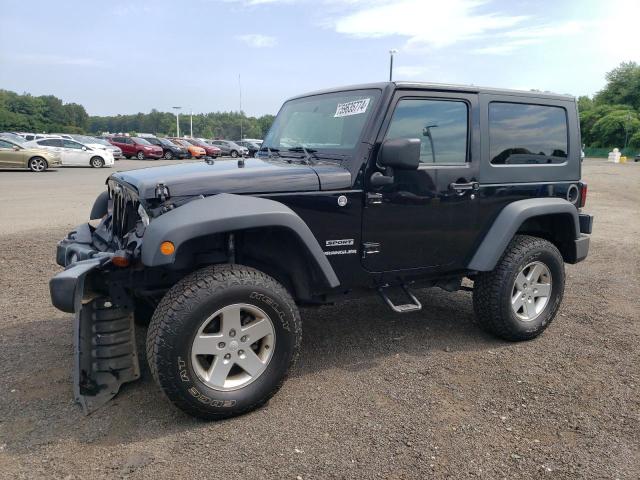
(240, 89)
(392, 52)
(177, 109)
(191, 124)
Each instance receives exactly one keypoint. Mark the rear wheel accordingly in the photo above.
(222, 340)
(521, 296)
(97, 162)
(38, 164)
(140, 155)
(168, 155)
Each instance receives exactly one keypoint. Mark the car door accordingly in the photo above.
(426, 217)
(9, 156)
(75, 153)
(53, 144)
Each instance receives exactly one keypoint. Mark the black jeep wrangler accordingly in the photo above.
(378, 188)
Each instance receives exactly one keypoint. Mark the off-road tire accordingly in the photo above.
(180, 314)
(492, 290)
(140, 155)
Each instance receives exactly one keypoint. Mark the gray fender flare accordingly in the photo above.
(226, 213)
(509, 220)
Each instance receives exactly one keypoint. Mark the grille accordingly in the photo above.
(125, 211)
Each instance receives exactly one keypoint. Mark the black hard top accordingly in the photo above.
(441, 87)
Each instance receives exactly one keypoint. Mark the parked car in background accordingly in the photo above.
(194, 150)
(212, 152)
(169, 149)
(13, 137)
(18, 155)
(136, 147)
(251, 146)
(73, 153)
(637, 159)
(227, 147)
(98, 143)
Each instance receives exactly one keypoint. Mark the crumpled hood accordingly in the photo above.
(230, 176)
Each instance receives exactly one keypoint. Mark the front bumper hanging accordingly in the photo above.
(104, 333)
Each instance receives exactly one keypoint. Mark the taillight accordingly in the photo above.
(583, 195)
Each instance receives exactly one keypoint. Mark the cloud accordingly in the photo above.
(425, 23)
(46, 59)
(256, 40)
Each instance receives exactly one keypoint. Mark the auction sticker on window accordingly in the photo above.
(352, 108)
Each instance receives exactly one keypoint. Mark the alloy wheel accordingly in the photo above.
(233, 347)
(531, 291)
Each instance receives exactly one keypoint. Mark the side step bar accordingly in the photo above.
(414, 306)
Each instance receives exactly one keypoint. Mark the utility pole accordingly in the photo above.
(177, 109)
(240, 89)
(392, 52)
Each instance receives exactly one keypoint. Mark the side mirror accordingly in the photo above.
(400, 153)
(16, 148)
(84, 148)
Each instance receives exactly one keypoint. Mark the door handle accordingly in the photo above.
(461, 187)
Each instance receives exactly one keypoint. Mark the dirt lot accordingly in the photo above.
(374, 395)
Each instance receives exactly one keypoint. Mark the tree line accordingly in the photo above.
(611, 118)
(47, 113)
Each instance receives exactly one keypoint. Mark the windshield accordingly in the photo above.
(166, 142)
(330, 121)
(17, 139)
(141, 141)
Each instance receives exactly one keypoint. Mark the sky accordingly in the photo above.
(131, 56)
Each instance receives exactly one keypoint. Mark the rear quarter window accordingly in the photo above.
(527, 134)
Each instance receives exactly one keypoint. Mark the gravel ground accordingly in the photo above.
(374, 395)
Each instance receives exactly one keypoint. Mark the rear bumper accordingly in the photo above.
(580, 247)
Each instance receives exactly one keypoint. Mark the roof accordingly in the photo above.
(441, 87)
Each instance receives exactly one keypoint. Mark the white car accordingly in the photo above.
(74, 153)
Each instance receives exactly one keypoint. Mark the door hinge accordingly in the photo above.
(374, 198)
(369, 248)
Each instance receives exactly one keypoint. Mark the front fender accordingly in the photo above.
(227, 213)
(509, 220)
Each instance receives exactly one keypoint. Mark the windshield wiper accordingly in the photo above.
(309, 153)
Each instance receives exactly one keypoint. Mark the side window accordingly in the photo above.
(524, 134)
(441, 125)
(4, 144)
(49, 142)
(71, 144)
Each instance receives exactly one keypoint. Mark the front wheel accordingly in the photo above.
(97, 162)
(168, 155)
(140, 155)
(521, 296)
(222, 340)
(38, 164)
(234, 154)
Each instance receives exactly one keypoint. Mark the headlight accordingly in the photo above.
(144, 216)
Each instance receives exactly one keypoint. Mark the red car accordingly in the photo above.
(213, 152)
(136, 147)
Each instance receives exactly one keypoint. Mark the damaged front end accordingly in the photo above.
(96, 288)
